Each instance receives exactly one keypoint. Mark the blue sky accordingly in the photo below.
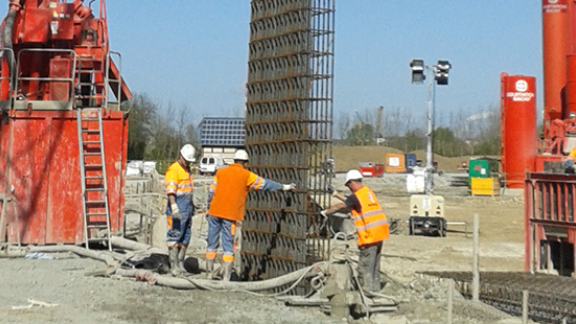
(195, 52)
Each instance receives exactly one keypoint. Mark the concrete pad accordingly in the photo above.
(388, 319)
(512, 192)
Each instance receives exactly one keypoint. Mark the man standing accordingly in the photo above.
(226, 202)
(179, 189)
(372, 227)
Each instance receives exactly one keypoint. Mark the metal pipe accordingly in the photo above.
(7, 39)
(525, 296)
(475, 256)
(450, 301)
(429, 135)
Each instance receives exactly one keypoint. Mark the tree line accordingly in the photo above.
(460, 134)
(156, 132)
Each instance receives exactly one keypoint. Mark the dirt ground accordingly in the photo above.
(82, 298)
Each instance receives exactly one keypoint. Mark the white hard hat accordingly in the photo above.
(188, 151)
(241, 155)
(353, 175)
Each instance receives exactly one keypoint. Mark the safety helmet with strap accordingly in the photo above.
(188, 152)
(241, 155)
(353, 175)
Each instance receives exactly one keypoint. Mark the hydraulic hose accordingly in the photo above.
(97, 255)
(181, 283)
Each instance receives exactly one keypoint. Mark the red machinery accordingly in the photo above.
(518, 122)
(550, 198)
(559, 47)
(63, 142)
(550, 225)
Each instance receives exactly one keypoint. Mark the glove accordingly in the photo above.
(568, 163)
(175, 211)
(288, 187)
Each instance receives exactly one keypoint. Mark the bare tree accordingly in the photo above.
(181, 122)
(343, 124)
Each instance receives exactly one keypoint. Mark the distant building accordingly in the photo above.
(222, 136)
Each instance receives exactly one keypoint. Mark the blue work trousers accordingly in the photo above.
(179, 233)
(217, 225)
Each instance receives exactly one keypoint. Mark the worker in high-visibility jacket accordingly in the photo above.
(569, 162)
(226, 204)
(372, 227)
(180, 209)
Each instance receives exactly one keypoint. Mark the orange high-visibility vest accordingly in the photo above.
(231, 186)
(371, 222)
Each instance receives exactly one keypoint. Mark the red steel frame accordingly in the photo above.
(550, 203)
(58, 46)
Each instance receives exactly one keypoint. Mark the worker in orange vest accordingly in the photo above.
(180, 209)
(226, 201)
(372, 227)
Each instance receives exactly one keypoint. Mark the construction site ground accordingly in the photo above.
(74, 296)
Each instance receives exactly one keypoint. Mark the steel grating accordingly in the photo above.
(288, 134)
(552, 299)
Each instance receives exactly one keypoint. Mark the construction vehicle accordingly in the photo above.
(63, 137)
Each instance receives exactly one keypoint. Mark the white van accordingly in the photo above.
(209, 164)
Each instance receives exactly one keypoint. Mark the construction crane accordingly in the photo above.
(63, 136)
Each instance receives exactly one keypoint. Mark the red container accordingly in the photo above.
(518, 105)
(557, 43)
(371, 170)
(39, 171)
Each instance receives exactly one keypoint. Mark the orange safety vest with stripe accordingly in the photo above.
(572, 154)
(178, 181)
(230, 187)
(371, 222)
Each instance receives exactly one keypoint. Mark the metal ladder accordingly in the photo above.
(93, 175)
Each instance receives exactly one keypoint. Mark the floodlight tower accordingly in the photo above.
(440, 71)
(427, 211)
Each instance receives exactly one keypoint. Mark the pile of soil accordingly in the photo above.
(348, 157)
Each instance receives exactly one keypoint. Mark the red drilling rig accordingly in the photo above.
(550, 194)
(63, 138)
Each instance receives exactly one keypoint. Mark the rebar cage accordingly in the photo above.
(289, 134)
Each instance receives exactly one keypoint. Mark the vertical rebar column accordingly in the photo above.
(288, 134)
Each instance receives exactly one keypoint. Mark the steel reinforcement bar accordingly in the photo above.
(552, 299)
(288, 134)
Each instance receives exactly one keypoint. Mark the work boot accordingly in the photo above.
(210, 268)
(173, 259)
(181, 257)
(227, 271)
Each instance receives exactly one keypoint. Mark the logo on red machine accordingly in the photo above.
(521, 93)
(553, 6)
(521, 86)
